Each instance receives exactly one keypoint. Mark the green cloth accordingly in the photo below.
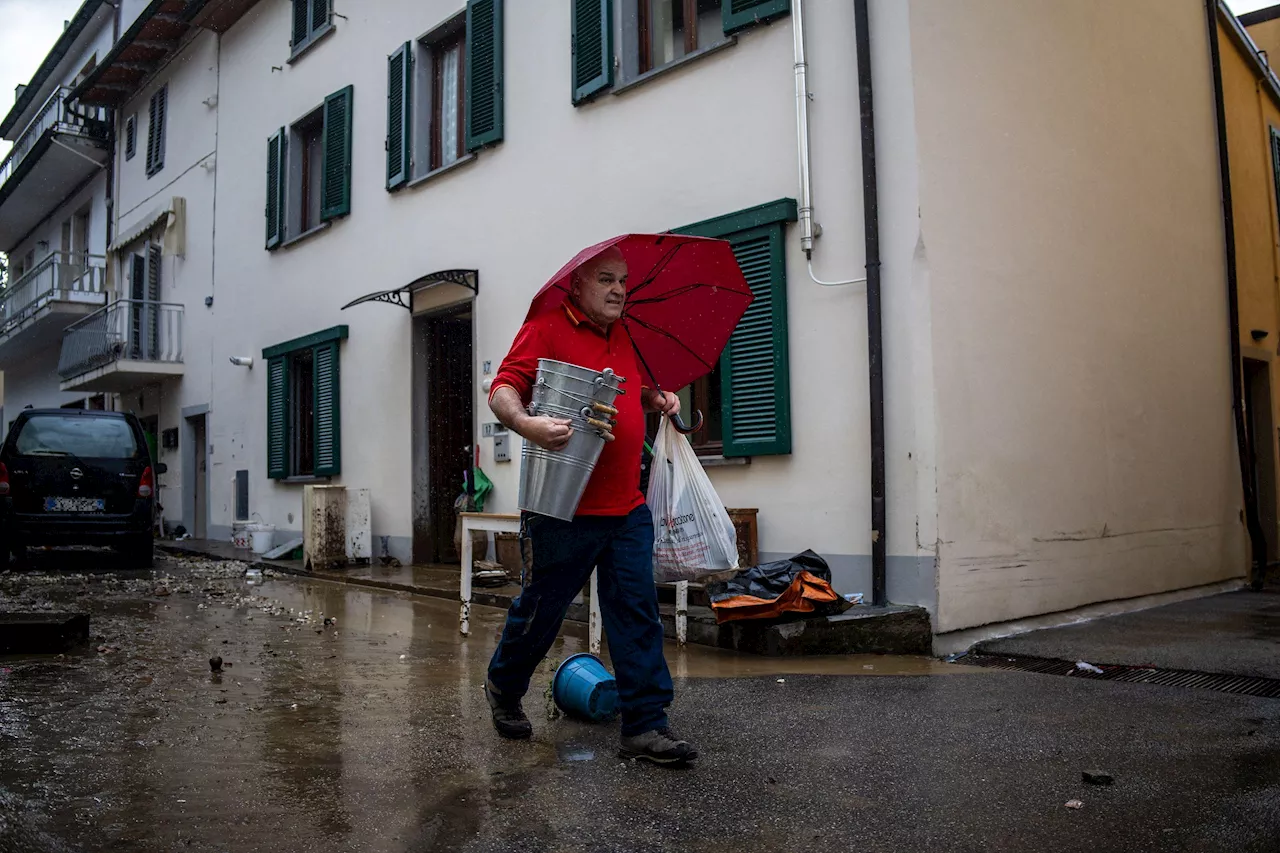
(482, 486)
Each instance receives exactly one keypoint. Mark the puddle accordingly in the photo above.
(568, 752)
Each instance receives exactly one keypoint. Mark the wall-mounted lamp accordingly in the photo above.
(242, 361)
(42, 245)
(1258, 334)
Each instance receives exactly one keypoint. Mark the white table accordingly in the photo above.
(492, 522)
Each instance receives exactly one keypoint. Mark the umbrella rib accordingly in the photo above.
(665, 334)
(659, 266)
(640, 356)
(688, 288)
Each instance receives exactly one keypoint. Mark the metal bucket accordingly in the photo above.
(552, 482)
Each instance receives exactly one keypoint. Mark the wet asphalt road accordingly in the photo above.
(372, 735)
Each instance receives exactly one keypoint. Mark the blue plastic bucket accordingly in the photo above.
(583, 688)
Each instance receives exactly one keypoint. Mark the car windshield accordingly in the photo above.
(72, 435)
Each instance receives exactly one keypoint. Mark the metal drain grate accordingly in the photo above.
(1242, 685)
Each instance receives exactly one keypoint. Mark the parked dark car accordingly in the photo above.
(77, 477)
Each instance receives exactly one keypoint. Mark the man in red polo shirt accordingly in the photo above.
(612, 532)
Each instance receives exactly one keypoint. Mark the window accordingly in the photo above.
(303, 411)
(155, 130)
(309, 171)
(747, 400)
(667, 30)
(306, 140)
(130, 137)
(311, 19)
(76, 435)
(444, 94)
(655, 34)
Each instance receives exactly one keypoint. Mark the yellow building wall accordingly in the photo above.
(1267, 37)
(1251, 112)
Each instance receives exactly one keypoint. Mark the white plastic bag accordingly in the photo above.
(693, 533)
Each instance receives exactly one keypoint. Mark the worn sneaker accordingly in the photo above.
(509, 720)
(659, 746)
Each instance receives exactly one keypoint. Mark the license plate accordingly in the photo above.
(74, 505)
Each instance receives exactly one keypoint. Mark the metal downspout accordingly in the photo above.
(1253, 522)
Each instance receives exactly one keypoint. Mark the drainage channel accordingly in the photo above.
(1241, 685)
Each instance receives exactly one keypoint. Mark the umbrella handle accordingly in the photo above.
(682, 427)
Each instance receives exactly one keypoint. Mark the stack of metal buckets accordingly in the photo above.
(552, 481)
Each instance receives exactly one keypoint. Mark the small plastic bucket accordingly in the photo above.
(262, 537)
(582, 687)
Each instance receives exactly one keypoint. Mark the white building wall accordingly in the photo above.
(190, 173)
(34, 381)
(710, 139)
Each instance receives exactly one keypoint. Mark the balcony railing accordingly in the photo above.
(125, 330)
(90, 122)
(59, 277)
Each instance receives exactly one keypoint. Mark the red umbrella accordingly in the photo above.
(685, 296)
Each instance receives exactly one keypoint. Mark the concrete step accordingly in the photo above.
(891, 630)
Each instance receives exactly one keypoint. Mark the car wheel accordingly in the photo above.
(19, 552)
(142, 552)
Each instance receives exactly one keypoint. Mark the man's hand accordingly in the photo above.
(662, 402)
(547, 433)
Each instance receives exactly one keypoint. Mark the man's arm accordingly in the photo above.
(547, 433)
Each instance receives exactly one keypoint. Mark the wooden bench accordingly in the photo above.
(492, 522)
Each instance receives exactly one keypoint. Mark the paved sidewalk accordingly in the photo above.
(861, 630)
(1233, 634)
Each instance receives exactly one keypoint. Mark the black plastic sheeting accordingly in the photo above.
(768, 581)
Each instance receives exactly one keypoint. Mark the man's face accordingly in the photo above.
(601, 290)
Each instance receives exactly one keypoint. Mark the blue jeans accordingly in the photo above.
(564, 552)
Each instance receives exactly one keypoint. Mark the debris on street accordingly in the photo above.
(1083, 666)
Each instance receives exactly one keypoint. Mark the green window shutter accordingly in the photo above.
(277, 419)
(153, 132)
(399, 115)
(319, 14)
(740, 14)
(335, 187)
(328, 427)
(755, 376)
(301, 25)
(592, 47)
(275, 188)
(484, 73)
(1275, 164)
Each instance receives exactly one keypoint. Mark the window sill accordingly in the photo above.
(312, 40)
(724, 462)
(305, 235)
(674, 65)
(437, 173)
(303, 481)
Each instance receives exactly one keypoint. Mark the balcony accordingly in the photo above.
(35, 309)
(123, 346)
(56, 153)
